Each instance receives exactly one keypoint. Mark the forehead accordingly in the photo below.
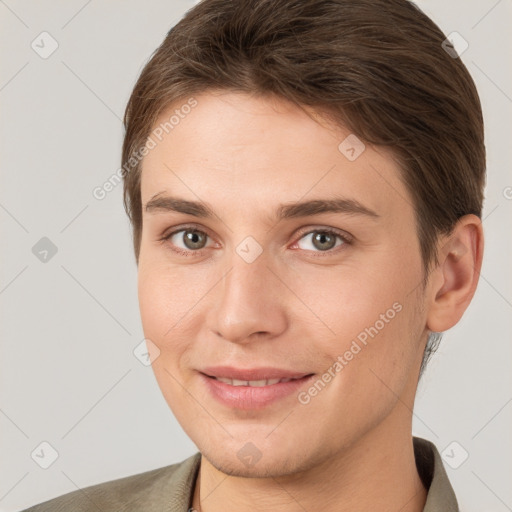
(254, 151)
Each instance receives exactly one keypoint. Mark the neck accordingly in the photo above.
(376, 471)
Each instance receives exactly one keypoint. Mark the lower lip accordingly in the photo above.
(248, 397)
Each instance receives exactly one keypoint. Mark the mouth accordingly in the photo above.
(253, 383)
(252, 389)
(258, 374)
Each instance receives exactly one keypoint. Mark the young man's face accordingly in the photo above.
(251, 290)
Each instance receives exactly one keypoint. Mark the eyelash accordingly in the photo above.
(345, 238)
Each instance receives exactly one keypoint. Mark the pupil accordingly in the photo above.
(320, 239)
(194, 240)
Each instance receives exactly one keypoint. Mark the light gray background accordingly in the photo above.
(68, 375)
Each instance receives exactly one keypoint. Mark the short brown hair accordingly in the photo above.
(376, 67)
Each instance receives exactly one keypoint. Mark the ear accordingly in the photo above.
(453, 282)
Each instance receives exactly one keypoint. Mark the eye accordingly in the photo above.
(322, 240)
(187, 240)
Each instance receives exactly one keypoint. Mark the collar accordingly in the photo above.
(440, 495)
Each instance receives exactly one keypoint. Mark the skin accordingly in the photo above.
(296, 306)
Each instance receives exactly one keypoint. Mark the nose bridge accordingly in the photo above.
(245, 302)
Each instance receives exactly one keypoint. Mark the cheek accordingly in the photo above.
(162, 304)
(371, 319)
(156, 304)
(348, 300)
(166, 297)
(165, 303)
(171, 302)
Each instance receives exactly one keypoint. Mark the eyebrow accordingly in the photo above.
(160, 204)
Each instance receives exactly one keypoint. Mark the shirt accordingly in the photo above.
(171, 488)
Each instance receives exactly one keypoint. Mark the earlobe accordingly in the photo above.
(460, 260)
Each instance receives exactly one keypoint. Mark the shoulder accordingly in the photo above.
(150, 490)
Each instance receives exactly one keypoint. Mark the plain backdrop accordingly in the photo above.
(69, 316)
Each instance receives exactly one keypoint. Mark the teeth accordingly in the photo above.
(251, 383)
(226, 381)
(258, 383)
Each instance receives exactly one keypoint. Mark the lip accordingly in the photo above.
(261, 373)
(249, 397)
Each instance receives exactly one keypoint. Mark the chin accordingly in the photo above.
(262, 469)
(249, 462)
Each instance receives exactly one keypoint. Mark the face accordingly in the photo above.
(269, 251)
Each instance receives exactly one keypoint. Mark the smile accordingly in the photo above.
(251, 383)
(252, 394)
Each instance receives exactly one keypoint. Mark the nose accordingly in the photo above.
(248, 303)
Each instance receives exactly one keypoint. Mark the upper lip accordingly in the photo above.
(262, 373)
